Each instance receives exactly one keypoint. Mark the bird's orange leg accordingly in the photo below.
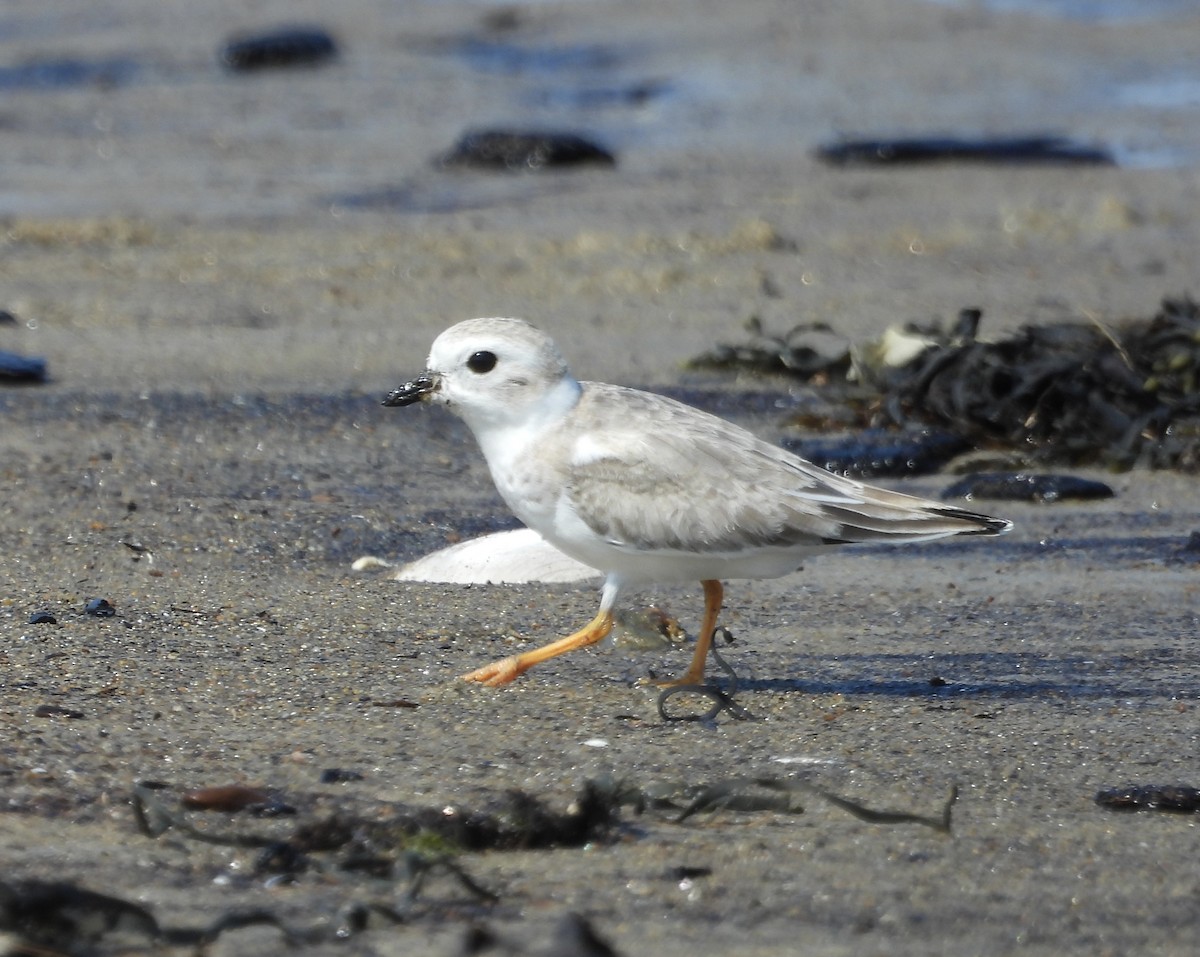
(501, 672)
(713, 595)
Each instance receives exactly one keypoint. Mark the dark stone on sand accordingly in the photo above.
(1027, 487)
(876, 453)
(100, 607)
(339, 776)
(56, 711)
(42, 618)
(7, 318)
(1002, 150)
(20, 369)
(1151, 797)
(523, 150)
(684, 872)
(283, 48)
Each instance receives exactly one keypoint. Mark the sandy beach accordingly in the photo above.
(225, 275)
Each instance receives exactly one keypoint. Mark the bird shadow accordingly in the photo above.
(947, 677)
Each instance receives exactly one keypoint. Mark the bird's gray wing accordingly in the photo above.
(653, 474)
(656, 475)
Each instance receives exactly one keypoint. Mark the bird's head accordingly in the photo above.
(493, 373)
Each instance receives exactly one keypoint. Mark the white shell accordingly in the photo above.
(521, 555)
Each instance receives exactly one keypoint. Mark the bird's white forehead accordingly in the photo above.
(514, 337)
(527, 354)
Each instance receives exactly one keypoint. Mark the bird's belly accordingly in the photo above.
(573, 537)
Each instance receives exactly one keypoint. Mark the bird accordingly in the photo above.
(645, 489)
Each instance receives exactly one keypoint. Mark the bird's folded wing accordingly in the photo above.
(686, 490)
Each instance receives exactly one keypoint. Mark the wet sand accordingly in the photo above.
(215, 391)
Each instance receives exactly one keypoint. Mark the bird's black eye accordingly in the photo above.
(482, 362)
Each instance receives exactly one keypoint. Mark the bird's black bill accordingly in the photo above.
(410, 392)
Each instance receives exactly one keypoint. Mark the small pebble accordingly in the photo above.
(1148, 797)
(283, 48)
(339, 776)
(42, 618)
(683, 872)
(100, 607)
(20, 369)
(516, 150)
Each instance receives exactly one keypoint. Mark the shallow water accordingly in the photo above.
(1091, 10)
(126, 110)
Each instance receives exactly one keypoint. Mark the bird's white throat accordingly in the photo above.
(504, 434)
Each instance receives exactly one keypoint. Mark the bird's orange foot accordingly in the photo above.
(687, 678)
(498, 673)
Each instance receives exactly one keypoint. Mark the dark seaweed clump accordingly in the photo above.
(1067, 393)
(1064, 393)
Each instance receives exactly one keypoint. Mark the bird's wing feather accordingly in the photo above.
(693, 482)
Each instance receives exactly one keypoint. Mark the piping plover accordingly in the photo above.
(647, 489)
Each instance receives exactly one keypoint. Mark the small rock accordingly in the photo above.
(21, 369)
(516, 151)
(339, 776)
(1144, 797)
(100, 607)
(56, 711)
(285, 47)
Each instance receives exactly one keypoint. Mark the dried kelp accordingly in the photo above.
(283, 48)
(518, 821)
(62, 918)
(56, 918)
(58, 915)
(21, 370)
(1063, 393)
(776, 795)
(523, 151)
(1069, 392)
(722, 699)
